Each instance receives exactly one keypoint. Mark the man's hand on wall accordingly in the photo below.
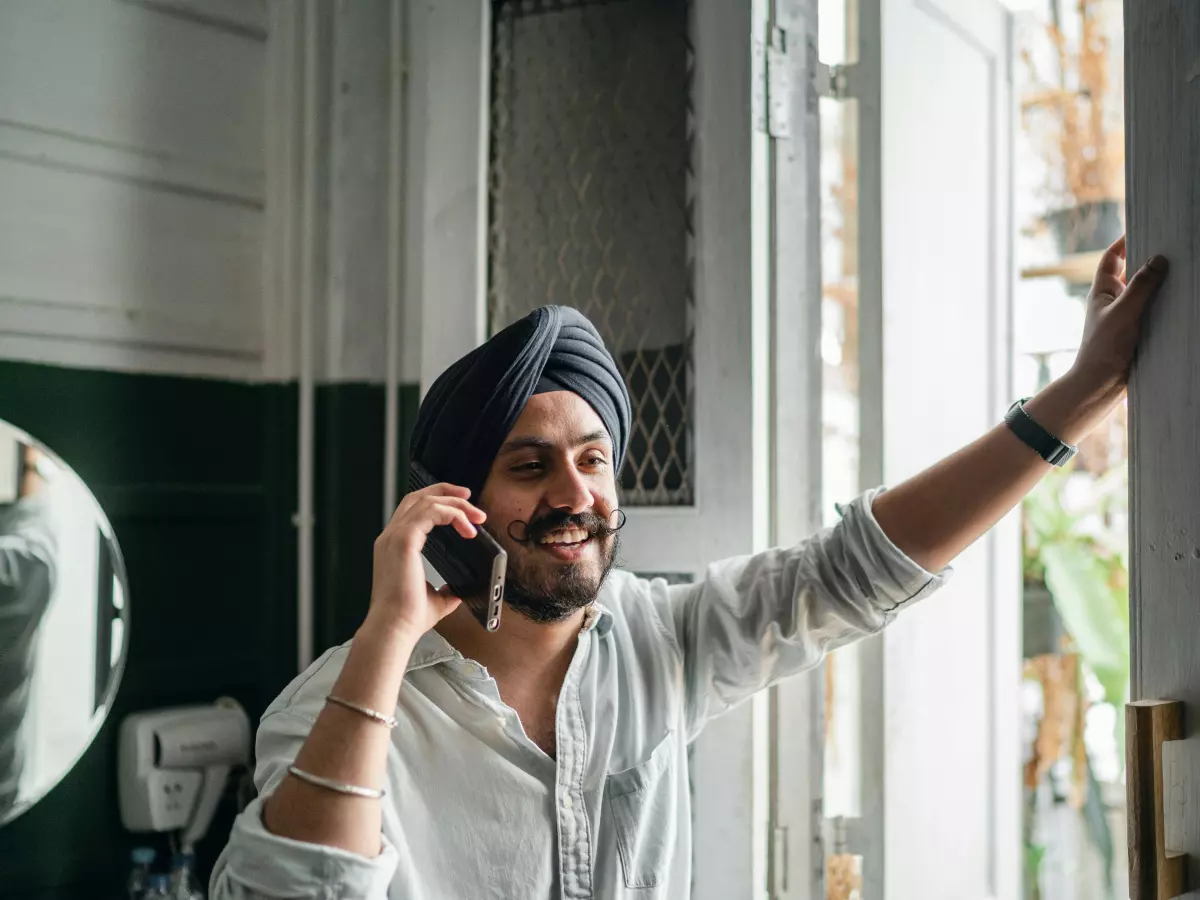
(1113, 322)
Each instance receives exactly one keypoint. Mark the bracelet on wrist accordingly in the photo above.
(375, 715)
(340, 787)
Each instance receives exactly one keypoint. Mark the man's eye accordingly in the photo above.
(597, 461)
(528, 467)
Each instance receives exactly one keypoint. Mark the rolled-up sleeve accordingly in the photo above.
(756, 619)
(258, 864)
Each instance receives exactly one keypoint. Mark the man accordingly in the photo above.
(549, 758)
(28, 572)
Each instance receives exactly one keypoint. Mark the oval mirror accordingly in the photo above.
(64, 619)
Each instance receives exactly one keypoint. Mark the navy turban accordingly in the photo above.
(471, 408)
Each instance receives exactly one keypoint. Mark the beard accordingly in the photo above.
(545, 591)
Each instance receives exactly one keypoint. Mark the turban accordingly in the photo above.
(473, 405)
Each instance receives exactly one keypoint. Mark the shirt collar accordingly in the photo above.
(598, 617)
(432, 648)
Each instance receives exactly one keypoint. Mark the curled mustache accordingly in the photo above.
(589, 523)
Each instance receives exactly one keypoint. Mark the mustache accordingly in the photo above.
(589, 523)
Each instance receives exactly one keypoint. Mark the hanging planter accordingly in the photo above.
(1073, 115)
(1089, 227)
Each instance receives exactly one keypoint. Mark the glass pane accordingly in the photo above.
(840, 422)
(840, 392)
(590, 186)
(1068, 202)
(837, 39)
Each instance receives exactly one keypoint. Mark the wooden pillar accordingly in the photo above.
(1162, 112)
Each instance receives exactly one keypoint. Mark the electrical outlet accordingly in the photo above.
(172, 796)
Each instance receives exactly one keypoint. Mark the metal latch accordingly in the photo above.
(834, 81)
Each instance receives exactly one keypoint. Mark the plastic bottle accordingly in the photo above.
(183, 878)
(160, 888)
(139, 876)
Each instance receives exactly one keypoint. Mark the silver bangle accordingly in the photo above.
(339, 786)
(389, 721)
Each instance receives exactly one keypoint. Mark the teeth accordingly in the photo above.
(574, 536)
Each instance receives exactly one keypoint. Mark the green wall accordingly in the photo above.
(198, 477)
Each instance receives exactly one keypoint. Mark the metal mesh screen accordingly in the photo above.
(590, 195)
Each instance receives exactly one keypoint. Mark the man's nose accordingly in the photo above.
(569, 492)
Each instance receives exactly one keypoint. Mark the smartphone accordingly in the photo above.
(473, 567)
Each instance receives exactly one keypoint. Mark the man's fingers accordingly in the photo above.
(1142, 285)
(473, 512)
(445, 514)
(436, 491)
(1110, 271)
(1112, 261)
(452, 489)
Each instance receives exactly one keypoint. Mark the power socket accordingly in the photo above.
(171, 796)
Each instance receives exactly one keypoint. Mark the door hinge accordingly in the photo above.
(776, 62)
(836, 82)
(771, 91)
(779, 86)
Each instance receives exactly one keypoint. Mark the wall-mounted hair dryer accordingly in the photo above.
(173, 764)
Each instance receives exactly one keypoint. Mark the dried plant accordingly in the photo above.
(1073, 112)
(843, 877)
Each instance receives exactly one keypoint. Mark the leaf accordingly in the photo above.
(1096, 615)
(1034, 855)
(1095, 819)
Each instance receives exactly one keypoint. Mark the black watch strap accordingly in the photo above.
(1048, 447)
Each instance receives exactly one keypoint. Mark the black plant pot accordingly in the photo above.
(1043, 627)
(1087, 227)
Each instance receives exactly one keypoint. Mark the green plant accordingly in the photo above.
(1078, 552)
(1076, 545)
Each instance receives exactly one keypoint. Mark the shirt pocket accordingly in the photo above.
(643, 803)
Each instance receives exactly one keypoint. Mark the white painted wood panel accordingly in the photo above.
(797, 718)
(111, 261)
(132, 184)
(120, 76)
(941, 780)
(247, 18)
(731, 348)
(355, 336)
(445, 183)
(1162, 107)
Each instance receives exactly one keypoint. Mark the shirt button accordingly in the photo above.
(568, 803)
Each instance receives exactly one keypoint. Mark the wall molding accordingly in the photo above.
(36, 317)
(83, 154)
(243, 18)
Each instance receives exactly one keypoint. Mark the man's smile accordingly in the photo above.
(566, 545)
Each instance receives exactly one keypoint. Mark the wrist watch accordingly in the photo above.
(1047, 446)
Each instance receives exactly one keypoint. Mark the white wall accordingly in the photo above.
(152, 186)
(131, 184)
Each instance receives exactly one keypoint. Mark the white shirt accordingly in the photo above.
(475, 809)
